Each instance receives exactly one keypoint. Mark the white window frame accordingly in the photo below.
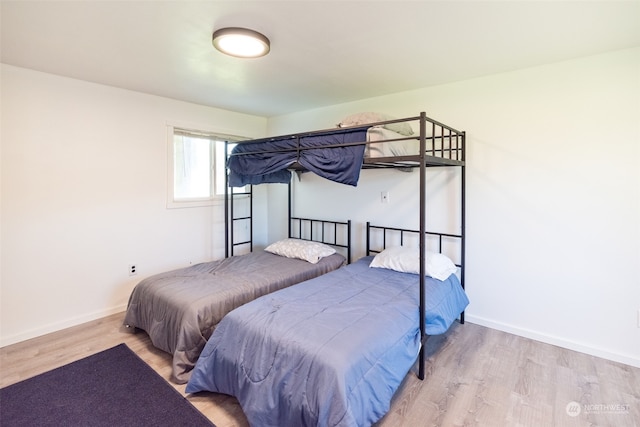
(214, 199)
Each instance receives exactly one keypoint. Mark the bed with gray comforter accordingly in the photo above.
(180, 309)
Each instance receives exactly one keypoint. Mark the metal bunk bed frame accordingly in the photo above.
(451, 154)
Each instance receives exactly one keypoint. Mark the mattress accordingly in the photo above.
(327, 352)
(402, 147)
(180, 309)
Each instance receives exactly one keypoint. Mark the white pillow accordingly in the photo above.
(402, 128)
(407, 260)
(301, 249)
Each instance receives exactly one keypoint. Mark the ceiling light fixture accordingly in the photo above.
(241, 42)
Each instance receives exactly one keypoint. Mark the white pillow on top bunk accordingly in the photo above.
(407, 260)
(306, 250)
(403, 128)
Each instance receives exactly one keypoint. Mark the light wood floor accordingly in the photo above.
(475, 377)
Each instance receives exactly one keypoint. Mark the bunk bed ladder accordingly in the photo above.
(230, 218)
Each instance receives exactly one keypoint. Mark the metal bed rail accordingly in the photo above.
(441, 144)
(405, 234)
(329, 231)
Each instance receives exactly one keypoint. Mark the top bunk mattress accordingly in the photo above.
(339, 154)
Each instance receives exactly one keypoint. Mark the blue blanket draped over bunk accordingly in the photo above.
(266, 160)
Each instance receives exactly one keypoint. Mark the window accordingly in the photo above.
(196, 167)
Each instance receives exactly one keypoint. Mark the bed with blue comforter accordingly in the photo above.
(330, 351)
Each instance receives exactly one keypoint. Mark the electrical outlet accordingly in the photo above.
(133, 270)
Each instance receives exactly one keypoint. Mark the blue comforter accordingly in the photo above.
(266, 160)
(330, 351)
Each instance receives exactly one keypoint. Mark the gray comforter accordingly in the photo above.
(180, 309)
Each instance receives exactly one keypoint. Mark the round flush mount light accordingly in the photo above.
(241, 42)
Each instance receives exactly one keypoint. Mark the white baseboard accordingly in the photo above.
(58, 326)
(553, 340)
(549, 339)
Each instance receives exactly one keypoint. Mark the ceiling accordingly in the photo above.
(322, 52)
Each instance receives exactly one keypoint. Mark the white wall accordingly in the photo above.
(84, 192)
(553, 193)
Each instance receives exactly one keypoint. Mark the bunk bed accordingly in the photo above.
(333, 350)
(180, 309)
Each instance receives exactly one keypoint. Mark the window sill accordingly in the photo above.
(218, 201)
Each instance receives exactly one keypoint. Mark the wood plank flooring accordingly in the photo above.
(475, 377)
